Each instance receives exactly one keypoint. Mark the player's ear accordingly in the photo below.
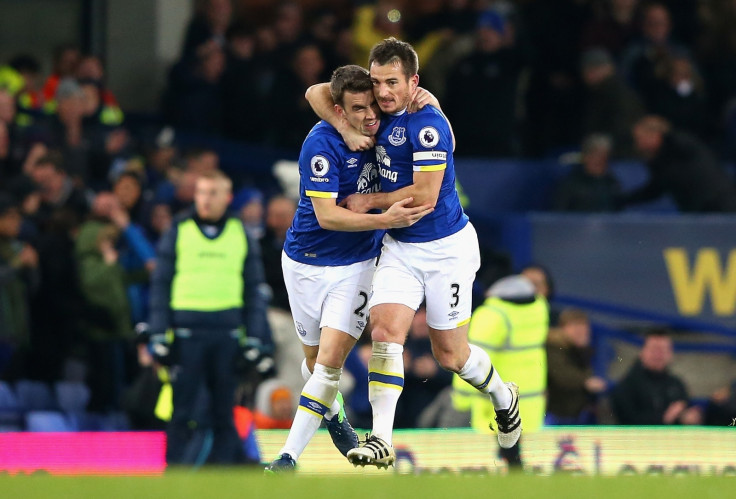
(339, 110)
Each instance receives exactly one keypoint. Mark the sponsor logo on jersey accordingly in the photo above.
(382, 157)
(367, 180)
(429, 136)
(397, 136)
(352, 162)
(388, 174)
(320, 165)
(319, 179)
(300, 328)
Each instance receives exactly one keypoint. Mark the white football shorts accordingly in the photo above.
(323, 296)
(441, 271)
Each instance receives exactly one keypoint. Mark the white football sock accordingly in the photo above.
(479, 372)
(318, 394)
(385, 383)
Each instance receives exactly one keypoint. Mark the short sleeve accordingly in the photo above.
(318, 169)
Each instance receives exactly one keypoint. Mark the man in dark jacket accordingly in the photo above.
(682, 166)
(650, 394)
(207, 286)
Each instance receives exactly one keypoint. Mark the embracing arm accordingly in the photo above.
(333, 217)
(320, 100)
(425, 191)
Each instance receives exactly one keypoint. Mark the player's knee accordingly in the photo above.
(448, 360)
(385, 334)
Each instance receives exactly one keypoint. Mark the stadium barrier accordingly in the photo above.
(607, 451)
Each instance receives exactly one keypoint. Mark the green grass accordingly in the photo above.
(253, 485)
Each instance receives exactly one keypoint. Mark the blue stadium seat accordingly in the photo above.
(34, 395)
(10, 414)
(47, 421)
(71, 396)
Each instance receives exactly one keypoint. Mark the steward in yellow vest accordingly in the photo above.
(511, 326)
(208, 287)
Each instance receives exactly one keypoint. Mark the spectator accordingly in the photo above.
(287, 102)
(193, 99)
(28, 198)
(66, 132)
(288, 29)
(102, 281)
(159, 223)
(30, 99)
(208, 288)
(57, 188)
(682, 166)
(680, 97)
(136, 253)
(486, 82)
(274, 406)
(208, 27)
(383, 19)
(643, 58)
(571, 384)
(541, 278)
(18, 279)
(649, 394)
(721, 408)
(13, 146)
(178, 189)
(59, 310)
(248, 204)
(91, 75)
(65, 60)
(511, 325)
(612, 26)
(609, 105)
(590, 187)
(242, 91)
(552, 100)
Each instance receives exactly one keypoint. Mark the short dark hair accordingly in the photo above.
(53, 158)
(350, 78)
(390, 50)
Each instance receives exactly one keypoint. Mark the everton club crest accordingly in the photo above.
(397, 136)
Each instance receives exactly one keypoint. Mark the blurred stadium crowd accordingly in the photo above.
(86, 191)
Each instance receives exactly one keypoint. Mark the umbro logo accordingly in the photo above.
(352, 162)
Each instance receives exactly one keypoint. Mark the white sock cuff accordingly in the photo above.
(331, 374)
(306, 374)
(476, 353)
(386, 348)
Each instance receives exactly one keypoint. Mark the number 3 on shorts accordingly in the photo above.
(455, 294)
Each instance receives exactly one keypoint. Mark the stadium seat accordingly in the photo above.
(47, 421)
(34, 395)
(71, 396)
(10, 414)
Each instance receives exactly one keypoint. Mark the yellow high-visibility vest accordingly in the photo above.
(209, 272)
(514, 336)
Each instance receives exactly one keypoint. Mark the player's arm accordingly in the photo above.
(424, 191)
(333, 217)
(320, 100)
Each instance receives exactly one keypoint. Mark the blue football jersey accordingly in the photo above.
(421, 141)
(328, 169)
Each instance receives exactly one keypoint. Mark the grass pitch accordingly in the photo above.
(252, 484)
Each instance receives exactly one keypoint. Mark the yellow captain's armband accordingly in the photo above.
(320, 194)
